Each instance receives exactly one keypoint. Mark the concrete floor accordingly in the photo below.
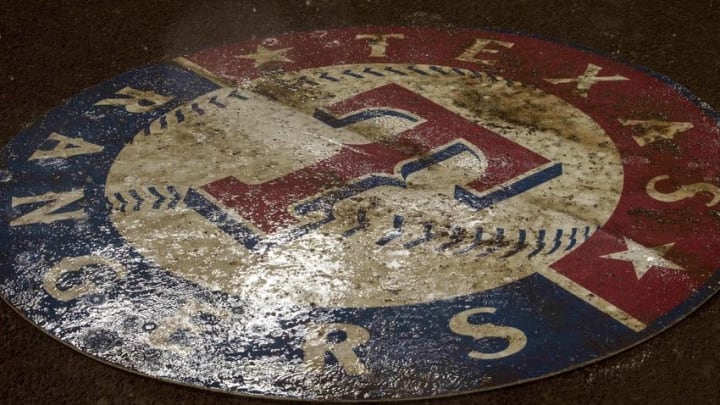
(50, 52)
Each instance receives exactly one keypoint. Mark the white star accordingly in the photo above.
(264, 55)
(644, 258)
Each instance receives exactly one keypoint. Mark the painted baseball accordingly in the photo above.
(364, 214)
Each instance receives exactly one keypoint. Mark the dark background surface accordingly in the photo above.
(51, 50)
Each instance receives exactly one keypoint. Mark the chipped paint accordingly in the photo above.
(361, 214)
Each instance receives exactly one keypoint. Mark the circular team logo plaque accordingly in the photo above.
(362, 214)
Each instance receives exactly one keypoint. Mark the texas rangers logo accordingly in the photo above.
(364, 214)
(437, 137)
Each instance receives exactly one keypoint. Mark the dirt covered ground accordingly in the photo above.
(51, 50)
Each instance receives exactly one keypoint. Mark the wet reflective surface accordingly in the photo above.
(206, 306)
